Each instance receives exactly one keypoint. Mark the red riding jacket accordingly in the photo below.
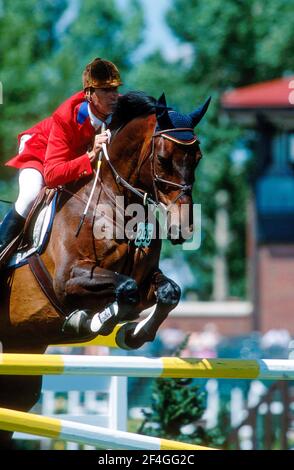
(58, 144)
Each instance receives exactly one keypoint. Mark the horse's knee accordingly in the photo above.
(168, 293)
(128, 293)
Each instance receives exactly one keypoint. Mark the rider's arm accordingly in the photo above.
(62, 165)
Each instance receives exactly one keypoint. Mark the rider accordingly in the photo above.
(59, 149)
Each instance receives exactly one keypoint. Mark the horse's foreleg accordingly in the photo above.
(101, 299)
(167, 295)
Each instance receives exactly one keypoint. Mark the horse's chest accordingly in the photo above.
(143, 262)
(126, 258)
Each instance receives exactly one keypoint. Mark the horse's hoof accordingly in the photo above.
(126, 339)
(76, 326)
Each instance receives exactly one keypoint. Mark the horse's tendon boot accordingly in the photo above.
(104, 322)
(81, 324)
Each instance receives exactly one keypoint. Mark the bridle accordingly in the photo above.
(156, 179)
(183, 188)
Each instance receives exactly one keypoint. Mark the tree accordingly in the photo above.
(27, 41)
(100, 29)
(177, 406)
(42, 55)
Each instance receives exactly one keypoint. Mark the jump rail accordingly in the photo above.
(102, 438)
(38, 364)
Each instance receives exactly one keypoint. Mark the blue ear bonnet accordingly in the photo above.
(179, 121)
(172, 120)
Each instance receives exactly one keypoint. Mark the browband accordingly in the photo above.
(179, 141)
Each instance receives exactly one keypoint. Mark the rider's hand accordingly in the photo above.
(97, 146)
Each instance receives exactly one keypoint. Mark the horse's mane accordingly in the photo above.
(132, 105)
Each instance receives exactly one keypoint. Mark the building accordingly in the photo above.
(268, 108)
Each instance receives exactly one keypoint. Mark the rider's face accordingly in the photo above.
(104, 100)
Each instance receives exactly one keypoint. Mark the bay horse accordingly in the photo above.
(153, 154)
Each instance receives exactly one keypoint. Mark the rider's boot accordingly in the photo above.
(10, 227)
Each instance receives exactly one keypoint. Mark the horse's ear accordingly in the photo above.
(162, 101)
(161, 104)
(198, 114)
(163, 119)
(162, 115)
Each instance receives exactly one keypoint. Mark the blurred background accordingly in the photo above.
(238, 296)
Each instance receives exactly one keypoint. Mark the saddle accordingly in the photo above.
(22, 246)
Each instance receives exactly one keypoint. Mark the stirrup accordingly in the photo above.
(8, 250)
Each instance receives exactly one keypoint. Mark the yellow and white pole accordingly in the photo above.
(97, 436)
(134, 366)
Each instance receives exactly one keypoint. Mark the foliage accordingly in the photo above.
(27, 38)
(177, 406)
(99, 30)
(43, 53)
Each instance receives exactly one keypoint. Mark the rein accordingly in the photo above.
(119, 180)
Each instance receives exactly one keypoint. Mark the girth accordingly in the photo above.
(44, 280)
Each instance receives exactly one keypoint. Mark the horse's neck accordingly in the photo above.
(130, 146)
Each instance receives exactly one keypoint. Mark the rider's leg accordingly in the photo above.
(30, 184)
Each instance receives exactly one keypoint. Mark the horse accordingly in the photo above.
(151, 161)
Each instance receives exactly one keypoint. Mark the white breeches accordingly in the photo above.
(30, 184)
